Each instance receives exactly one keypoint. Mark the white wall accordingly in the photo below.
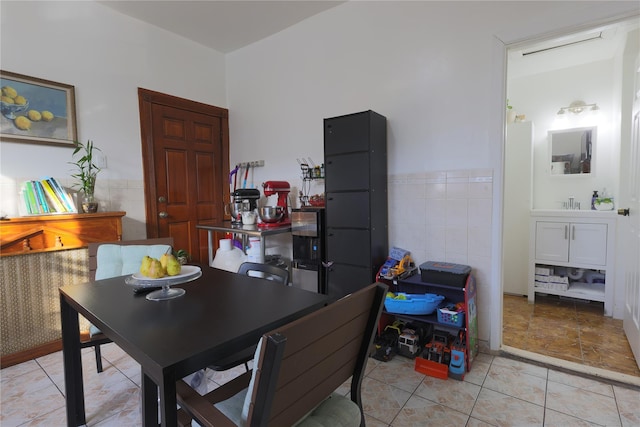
(434, 69)
(539, 97)
(106, 56)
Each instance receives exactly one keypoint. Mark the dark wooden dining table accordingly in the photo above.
(220, 313)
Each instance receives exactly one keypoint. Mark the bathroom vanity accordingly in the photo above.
(571, 254)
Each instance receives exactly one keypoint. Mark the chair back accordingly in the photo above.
(303, 362)
(269, 272)
(93, 251)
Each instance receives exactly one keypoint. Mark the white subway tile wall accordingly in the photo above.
(446, 216)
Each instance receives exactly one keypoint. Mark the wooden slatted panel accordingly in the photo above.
(320, 354)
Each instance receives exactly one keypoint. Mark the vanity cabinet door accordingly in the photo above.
(552, 241)
(588, 244)
(575, 243)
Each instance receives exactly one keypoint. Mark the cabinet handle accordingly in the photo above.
(566, 230)
(573, 232)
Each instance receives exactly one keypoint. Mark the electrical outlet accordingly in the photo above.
(253, 164)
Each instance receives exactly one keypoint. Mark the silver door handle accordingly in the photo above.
(163, 214)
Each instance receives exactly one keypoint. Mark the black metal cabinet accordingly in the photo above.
(355, 156)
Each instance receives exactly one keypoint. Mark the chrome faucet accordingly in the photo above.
(571, 204)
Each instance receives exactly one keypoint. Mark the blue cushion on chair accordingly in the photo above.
(118, 260)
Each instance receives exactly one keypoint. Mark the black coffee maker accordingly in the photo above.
(243, 199)
(250, 194)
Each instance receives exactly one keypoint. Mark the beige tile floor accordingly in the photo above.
(497, 392)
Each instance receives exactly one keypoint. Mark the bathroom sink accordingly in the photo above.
(583, 213)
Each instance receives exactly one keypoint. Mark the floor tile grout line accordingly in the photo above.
(50, 379)
(615, 399)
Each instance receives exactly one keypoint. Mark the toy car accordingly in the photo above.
(387, 342)
(438, 349)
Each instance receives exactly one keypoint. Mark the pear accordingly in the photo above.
(145, 265)
(163, 260)
(173, 266)
(155, 270)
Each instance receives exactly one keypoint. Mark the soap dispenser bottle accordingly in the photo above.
(593, 200)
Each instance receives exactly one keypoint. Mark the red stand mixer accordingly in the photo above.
(282, 189)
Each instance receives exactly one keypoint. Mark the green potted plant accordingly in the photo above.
(87, 171)
(182, 256)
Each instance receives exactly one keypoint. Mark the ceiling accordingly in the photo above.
(227, 25)
(570, 50)
(221, 25)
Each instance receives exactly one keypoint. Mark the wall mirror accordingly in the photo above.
(572, 151)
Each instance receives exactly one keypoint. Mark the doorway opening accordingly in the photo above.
(542, 77)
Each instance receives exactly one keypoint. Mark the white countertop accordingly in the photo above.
(574, 213)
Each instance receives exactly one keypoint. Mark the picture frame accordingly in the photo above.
(37, 111)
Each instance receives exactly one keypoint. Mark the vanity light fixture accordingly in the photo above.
(577, 107)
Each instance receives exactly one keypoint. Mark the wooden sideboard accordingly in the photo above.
(39, 254)
(55, 232)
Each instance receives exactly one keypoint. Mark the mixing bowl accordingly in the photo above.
(270, 214)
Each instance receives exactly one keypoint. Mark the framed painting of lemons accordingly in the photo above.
(36, 111)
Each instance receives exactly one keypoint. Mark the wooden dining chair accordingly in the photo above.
(268, 272)
(112, 259)
(297, 368)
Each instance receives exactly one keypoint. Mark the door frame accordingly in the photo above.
(146, 99)
(501, 48)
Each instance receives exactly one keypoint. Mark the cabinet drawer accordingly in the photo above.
(349, 246)
(346, 134)
(347, 210)
(347, 172)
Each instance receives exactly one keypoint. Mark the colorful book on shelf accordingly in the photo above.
(33, 205)
(25, 197)
(43, 205)
(25, 201)
(63, 195)
(52, 197)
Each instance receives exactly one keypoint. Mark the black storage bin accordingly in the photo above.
(444, 273)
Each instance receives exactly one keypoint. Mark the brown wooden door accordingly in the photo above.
(185, 150)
